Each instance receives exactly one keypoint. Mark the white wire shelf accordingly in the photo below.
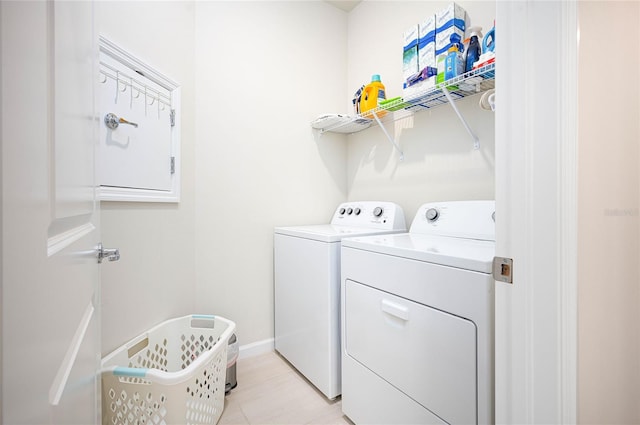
(468, 84)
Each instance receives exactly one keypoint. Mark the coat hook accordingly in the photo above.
(117, 88)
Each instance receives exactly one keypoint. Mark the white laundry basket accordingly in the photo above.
(173, 374)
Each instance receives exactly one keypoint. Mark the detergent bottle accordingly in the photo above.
(454, 62)
(453, 65)
(473, 52)
(489, 41)
(372, 94)
(465, 47)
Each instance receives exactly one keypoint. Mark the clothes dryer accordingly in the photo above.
(307, 287)
(418, 318)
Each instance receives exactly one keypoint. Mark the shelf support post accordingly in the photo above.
(386, 133)
(476, 141)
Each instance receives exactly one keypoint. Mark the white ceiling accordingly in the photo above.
(346, 5)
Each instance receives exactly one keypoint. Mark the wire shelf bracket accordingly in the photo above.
(386, 133)
(476, 141)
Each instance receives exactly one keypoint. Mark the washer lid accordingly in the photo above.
(328, 232)
(468, 254)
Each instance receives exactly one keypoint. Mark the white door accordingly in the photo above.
(136, 155)
(50, 275)
(536, 211)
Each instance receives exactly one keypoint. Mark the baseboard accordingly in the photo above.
(256, 348)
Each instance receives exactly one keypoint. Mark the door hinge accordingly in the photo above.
(173, 165)
(172, 117)
(503, 269)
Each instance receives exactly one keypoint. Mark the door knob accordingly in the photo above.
(112, 121)
(111, 254)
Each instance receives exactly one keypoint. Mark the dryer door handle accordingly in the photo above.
(396, 310)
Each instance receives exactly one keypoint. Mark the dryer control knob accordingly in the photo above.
(349, 211)
(432, 214)
(357, 211)
(377, 212)
(342, 210)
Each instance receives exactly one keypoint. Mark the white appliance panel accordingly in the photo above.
(309, 338)
(370, 214)
(456, 291)
(378, 402)
(464, 293)
(459, 219)
(327, 232)
(427, 354)
(440, 279)
(307, 287)
(468, 254)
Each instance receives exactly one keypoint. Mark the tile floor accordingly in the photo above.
(271, 391)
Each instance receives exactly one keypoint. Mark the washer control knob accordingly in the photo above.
(377, 212)
(357, 211)
(349, 211)
(342, 210)
(432, 214)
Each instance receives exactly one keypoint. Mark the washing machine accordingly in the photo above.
(418, 319)
(307, 287)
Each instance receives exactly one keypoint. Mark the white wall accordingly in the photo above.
(155, 278)
(263, 72)
(609, 221)
(440, 162)
(254, 75)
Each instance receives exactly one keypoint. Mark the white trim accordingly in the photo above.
(131, 61)
(2, 135)
(108, 193)
(536, 207)
(568, 223)
(62, 240)
(510, 387)
(257, 348)
(62, 376)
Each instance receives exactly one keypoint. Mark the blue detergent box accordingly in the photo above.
(427, 29)
(427, 54)
(427, 43)
(410, 52)
(449, 20)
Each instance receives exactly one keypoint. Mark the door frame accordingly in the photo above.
(1, 227)
(536, 207)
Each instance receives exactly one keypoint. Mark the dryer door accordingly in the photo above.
(426, 353)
